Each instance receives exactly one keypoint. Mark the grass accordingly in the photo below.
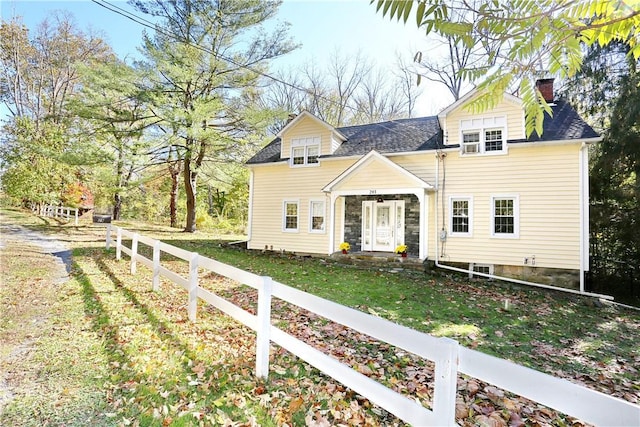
(135, 359)
(51, 362)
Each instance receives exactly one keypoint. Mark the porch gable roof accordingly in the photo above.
(390, 169)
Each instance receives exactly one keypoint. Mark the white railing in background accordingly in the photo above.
(57, 212)
(450, 358)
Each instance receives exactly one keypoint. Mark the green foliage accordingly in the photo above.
(201, 82)
(43, 147)
(532, 37)
(30, 158)
(606, 91)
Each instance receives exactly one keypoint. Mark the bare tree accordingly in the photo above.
(405, 76)
(447, 70)
(350, 90)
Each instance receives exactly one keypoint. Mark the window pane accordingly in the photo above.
(298, 156)
(317, 216)
(291, 216)
(460, 216)
(493, 140)
(471, 142)
(471, 137)
(292, 209)
(504, 221)
(312, 154)
(317, 223)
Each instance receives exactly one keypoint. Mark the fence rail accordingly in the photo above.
(449, 358)
(57, 212)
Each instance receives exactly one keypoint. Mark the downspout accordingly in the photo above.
(584, 214)
(250, 213)
(439, 158)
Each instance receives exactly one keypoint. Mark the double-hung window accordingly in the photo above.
(316, 216)
(493, 140)
(290, 216)
(483, 136)
(505, 212)
(305, 151)
(461, 216)
(470, 142)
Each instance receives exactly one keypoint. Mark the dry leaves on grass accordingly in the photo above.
(478, 403)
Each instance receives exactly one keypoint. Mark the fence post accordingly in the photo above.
(156, 265)
(193, 286)
(263, 333)
(118, 243)
(134, 252)
(446, 382)
(76, 217)
(108, 239)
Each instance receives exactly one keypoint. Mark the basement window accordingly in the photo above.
(480, 268)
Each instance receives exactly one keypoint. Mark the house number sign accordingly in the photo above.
(371, 192)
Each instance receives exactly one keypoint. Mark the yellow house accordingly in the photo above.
(459, 189)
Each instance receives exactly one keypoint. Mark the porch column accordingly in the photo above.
(422, 200)
(332, 223)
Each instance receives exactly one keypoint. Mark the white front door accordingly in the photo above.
(382, 225)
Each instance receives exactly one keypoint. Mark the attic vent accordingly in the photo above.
(480, 268)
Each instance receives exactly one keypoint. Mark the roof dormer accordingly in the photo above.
(486, 132)
(306, 138)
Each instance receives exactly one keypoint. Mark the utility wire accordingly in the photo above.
(151, 25)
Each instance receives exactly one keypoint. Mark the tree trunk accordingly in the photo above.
(117, 206)
(190, 192)
(174, 170)
(173, 204)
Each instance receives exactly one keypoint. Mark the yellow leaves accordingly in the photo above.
(295, 404)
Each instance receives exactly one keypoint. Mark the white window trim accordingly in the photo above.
(324, 216)
(516, 216)
(305, 143)
(481, 125)
(458, 198)
(284, 216)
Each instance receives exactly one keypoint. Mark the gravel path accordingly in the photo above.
(47, 244)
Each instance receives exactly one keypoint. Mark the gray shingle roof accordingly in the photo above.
(566, 124)
(424, 133)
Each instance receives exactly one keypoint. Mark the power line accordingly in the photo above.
(151, 25)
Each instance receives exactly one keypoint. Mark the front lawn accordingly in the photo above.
(561, 334)
(154, 367)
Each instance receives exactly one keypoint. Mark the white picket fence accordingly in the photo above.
(448, 356)
(58, 212)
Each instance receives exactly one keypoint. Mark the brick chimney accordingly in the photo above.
(545, 86)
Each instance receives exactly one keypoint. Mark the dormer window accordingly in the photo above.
(483, 136)
(471, 142)
(493, 140)
(305, 151)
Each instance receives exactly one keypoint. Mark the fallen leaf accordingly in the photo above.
(295, 404)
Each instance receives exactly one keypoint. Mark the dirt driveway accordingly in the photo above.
(41, 375)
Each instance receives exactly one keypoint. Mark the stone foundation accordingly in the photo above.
(562, 278)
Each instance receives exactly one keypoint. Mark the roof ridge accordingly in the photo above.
(433, 117)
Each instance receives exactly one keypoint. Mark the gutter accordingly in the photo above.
(440, 157)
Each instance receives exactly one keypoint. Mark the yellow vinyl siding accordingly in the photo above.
(513, 113)
(376, 175)
(545, 179)
(422, 165)
(272, 185)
